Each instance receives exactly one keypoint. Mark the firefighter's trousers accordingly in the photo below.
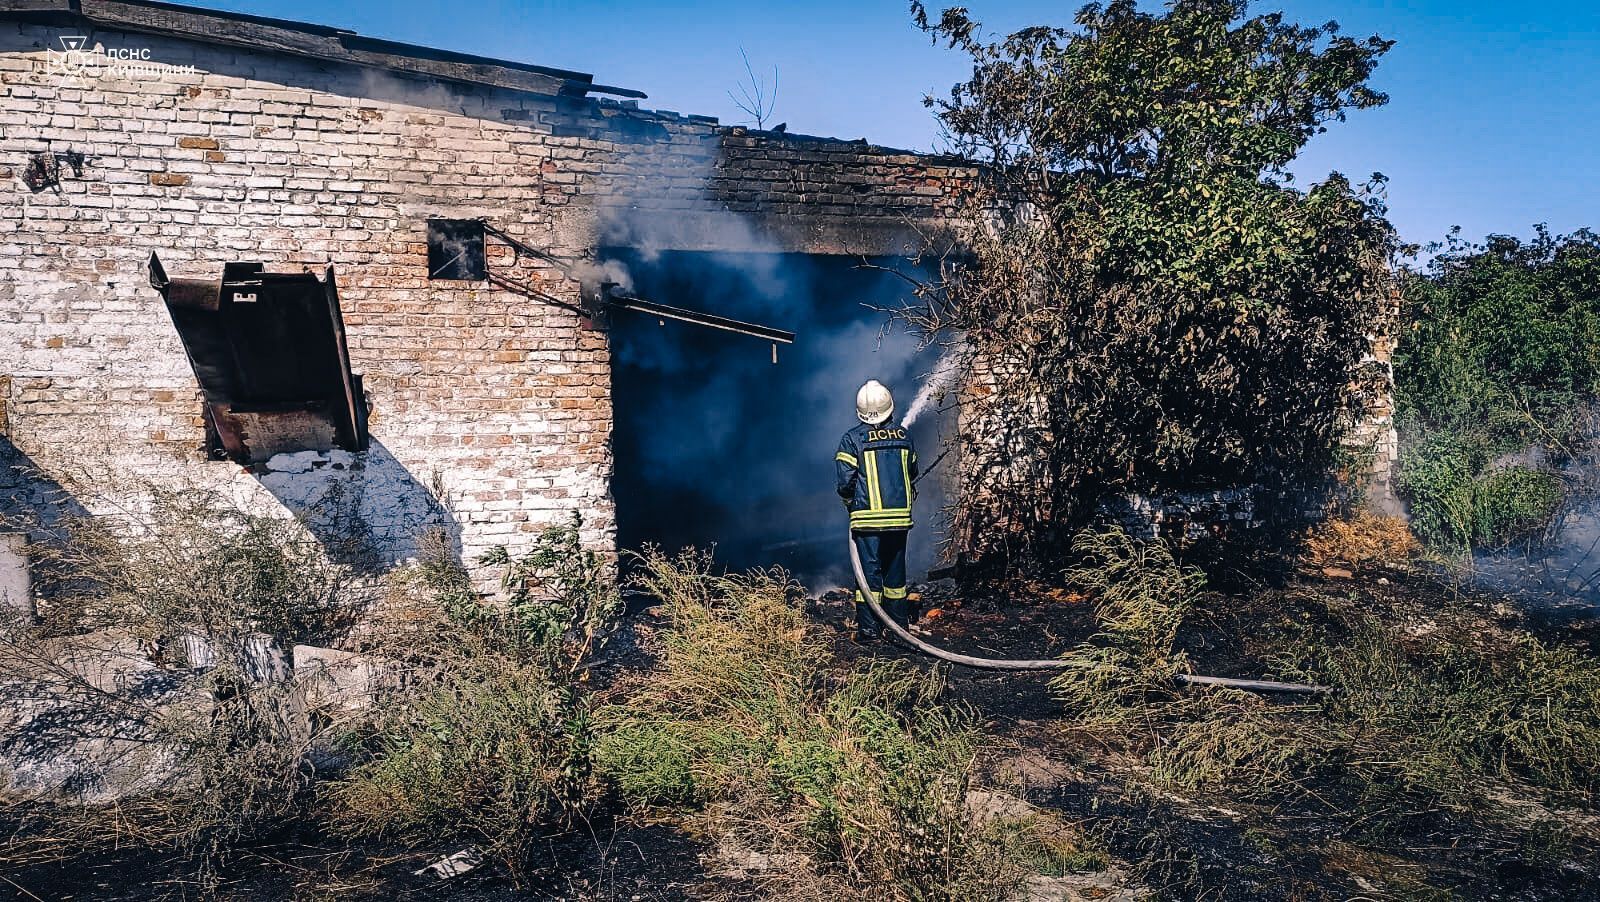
(883, 558)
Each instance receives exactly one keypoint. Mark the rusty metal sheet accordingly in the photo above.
(270, 354)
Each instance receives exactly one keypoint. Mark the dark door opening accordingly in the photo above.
(719, 448)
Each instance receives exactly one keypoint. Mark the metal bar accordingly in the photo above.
(532, 292)
(1195, 679)
(555, 261)
(353, 402)
(628, 302)
(709, 320)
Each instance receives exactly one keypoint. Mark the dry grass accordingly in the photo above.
(1444, 723)
(847, 781)
(476, 729)
(487, 738)
(158, 676)
(1361, 539)
(1140, 596)
(1444, 719)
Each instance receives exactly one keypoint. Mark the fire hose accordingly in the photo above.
(1187, 679)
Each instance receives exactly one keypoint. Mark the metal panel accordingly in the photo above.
(270, 354)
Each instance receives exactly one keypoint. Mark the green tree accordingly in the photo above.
(1500, 355)
(1147, 304)
(1503, 335)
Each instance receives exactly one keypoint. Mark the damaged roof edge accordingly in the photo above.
(309, 40)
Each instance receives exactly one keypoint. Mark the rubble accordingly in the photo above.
(453, 865)
(59, 736)
(336, 682)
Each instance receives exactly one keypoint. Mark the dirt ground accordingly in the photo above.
(1157, 843)
(1213, 846)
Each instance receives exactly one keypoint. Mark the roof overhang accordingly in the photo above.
(304, 39)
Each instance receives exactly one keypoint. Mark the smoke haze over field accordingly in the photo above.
(717, 445)
(1559, 571)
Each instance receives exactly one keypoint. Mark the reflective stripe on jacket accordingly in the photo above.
(875, 468)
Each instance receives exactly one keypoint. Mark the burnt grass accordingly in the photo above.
(1322, 844)
(1319, 844)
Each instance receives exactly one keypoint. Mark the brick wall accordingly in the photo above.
(491, 410)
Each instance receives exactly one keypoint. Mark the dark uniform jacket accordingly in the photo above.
(874, 468)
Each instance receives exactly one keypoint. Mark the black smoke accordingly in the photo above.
(718, 447)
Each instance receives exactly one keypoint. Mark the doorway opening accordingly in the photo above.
(718, 447)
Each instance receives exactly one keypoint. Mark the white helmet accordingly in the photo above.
(874, 404)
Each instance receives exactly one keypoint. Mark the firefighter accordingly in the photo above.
(875, 468)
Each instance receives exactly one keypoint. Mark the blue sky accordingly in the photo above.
(1493, 120)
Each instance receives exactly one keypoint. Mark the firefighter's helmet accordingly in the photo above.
(874, 404)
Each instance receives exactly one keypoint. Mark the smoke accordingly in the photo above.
(1558, 573)
(422, 93)
(612, 271)
(717, 445)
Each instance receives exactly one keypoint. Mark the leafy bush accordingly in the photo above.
(1140, 596)
(490, 740)
(1148, 303)
(1500, 354)
(494, 755)
(1502, 339)
(1459, 503)
(1512, 502)
(744, 728)
(1438, 478)
(563, 599)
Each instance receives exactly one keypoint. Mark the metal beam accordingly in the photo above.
(709, 320)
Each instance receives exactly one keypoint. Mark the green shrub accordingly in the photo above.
(1145, 303)
(563, 599)
(1437, 479)
(1512, 502)
(490, 740)
(1140, 596)
(1458, 505)
(747, 729)
(1500, 353)
(493, 755)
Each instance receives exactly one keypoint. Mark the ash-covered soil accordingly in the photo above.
(1157, 843)
(1211, 845)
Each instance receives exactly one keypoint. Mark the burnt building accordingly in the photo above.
(313, 268)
